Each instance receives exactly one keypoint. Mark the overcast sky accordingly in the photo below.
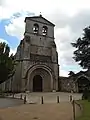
(69, 16)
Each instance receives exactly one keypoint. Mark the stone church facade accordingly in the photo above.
(37, 68)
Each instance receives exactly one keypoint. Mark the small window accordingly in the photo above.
(36, 28)
(44, 30)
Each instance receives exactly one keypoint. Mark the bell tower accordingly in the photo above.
(39, 56)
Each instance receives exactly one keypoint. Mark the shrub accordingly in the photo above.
(86, 94)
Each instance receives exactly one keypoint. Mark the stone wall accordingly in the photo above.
(67, 84)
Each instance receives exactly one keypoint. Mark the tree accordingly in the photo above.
(71, 73)
(82, 52)
(6, 62)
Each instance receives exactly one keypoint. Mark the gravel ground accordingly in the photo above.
(61, 111)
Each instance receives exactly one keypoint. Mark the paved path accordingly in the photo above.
(49, 97)
(6, 102)
(62, 111)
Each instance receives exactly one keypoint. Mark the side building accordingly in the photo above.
(75, 82)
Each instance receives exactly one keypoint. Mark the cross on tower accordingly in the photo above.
(40, 14)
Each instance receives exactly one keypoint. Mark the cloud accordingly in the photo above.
(68, 7)
(63, 73)
(68, 29)
(2, 40)
(2, 2)
(13, 51)
(16, 27)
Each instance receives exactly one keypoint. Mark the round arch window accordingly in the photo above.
(36, 28)
(44, 30)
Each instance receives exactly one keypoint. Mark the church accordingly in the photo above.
(37, 68)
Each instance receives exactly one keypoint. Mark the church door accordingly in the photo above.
(37, 83)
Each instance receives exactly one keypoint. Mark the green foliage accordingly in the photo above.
(86, 94)
(71, 73)
(6, 62)
(82, 52)
(86, 110)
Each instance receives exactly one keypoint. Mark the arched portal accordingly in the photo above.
(37, 83)
(82, 82)
(45, 73)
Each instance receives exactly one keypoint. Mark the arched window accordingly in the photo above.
(36, 28)
(44, 30)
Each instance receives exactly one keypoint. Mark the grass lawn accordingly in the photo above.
(86, 110)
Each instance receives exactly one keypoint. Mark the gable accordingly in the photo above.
(39, 19)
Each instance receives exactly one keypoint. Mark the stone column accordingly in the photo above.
(56, 84)
(52, 83)
(29, 86)
(23, 87)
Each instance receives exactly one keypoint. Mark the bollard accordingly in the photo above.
(25, 99)
(73, 105)
(13, 95)
(21, 97)
(57, 99)
(42, 100)
(70, 98)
